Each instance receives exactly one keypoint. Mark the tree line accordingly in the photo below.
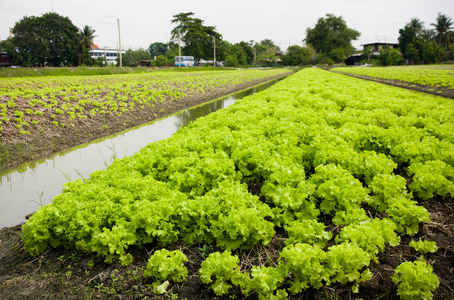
(201, 41)
(330, 42)
(53, 40)
(49, 40)
(427, 45)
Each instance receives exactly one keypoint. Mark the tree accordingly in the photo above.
(47, 40)
(6, 45)
(248, 51)
(431, 53)
(443, 28)
(266, 52)
(236, 56)
(298, 56)
(390, 57)
(294, 56)
(269, 44)
(410, 40)
(427, 35)
(156, 49)
(86, 37)
(172, 50)
(412, 53)
(417, 25)
(367, 52)
(163, 61)
(221, 50)
(132, 58)
(331, 33)
(231, 61)
(197, 38)
(422, 45)
(337, 55)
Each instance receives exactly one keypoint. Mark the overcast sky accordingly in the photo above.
(283, 21)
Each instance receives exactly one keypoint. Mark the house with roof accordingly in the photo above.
(5, 60)
(109, 54)
(355, 59)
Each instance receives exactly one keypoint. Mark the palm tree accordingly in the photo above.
(86, 37)
(443, 27)
(428, 35)
(417, 25)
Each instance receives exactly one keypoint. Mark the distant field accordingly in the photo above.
(45, 109)
(435, 79)
(90, 71)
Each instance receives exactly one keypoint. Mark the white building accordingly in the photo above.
(108, 53)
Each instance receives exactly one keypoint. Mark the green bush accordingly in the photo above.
(163, 61)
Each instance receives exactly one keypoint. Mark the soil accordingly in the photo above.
(437, 91)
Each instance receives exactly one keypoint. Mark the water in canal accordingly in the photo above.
(23, 191)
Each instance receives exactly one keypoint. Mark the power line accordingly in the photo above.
(16, 9)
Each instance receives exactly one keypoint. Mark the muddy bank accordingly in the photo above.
(437, 91)
(50, 139)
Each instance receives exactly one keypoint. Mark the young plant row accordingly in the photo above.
(322, 148)
(306, 265)
(26, 102)
(435, 76)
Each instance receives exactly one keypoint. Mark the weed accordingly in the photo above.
(66, 176)
(90, 264)
(65, 281)
(75, 256)
(62, 259)
(80, 175)
(205, 250)
(40, 198)
(134, 274)
(112, 158)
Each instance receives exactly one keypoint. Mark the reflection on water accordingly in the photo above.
(22, 191)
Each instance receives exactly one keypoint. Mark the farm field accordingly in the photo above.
(319, 187)
(433, 79)
(42, 115)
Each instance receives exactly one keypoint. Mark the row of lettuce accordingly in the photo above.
(441, 76)
(64, 100)
(319, 147)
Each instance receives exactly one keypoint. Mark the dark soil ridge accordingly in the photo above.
(51, 139)
(67, 274)
(437, 91)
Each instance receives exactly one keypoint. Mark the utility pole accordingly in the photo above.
(253, 46)
(255, 54)
(214, 43)
(119, 41)
(179, 47)
(119, 38)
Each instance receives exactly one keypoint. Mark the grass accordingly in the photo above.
(91, 71)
